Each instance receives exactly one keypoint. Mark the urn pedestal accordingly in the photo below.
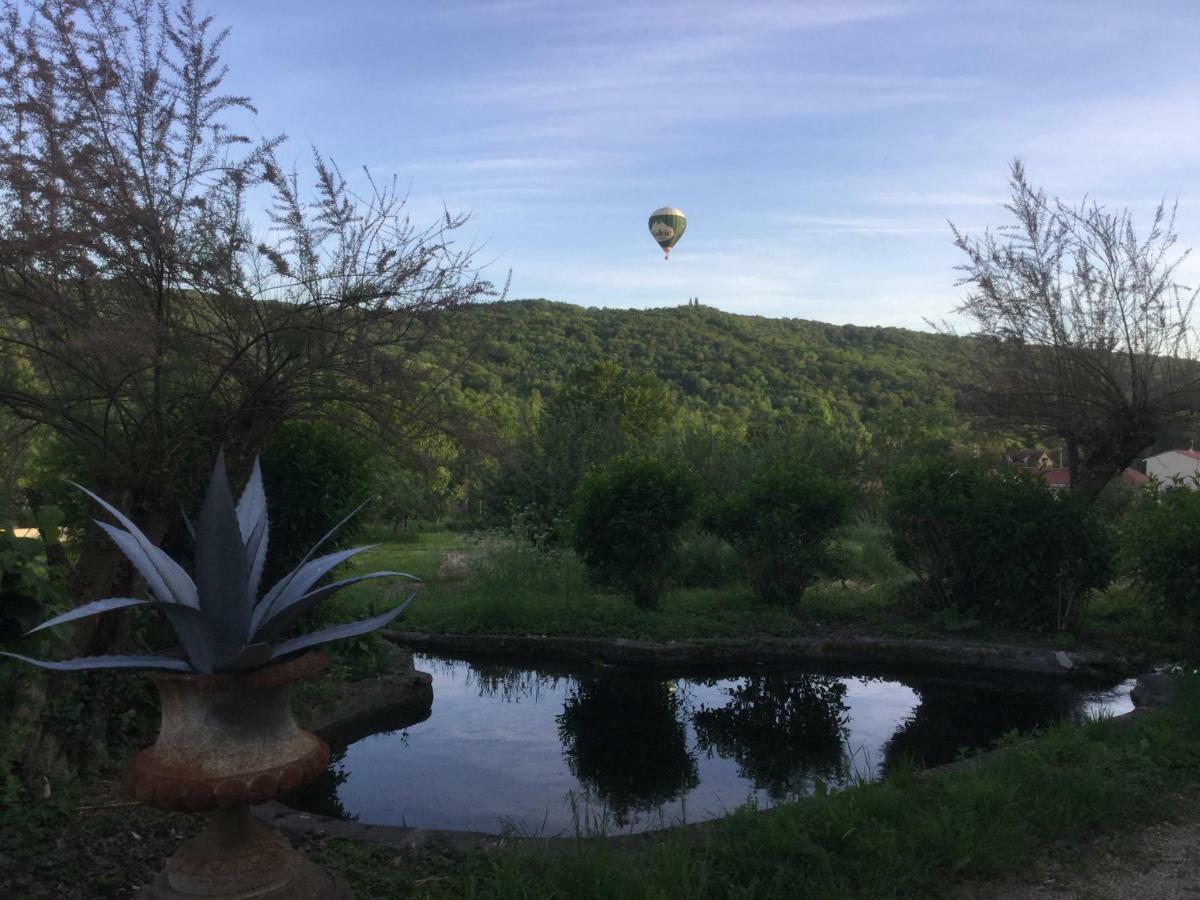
(226, 742)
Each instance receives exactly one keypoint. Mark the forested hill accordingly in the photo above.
(893, 380)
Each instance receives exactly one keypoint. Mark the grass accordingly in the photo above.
(1121, 617)
(516, 589)
(498, 585)
(909, 835)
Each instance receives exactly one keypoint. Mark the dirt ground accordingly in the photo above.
(1159, 862)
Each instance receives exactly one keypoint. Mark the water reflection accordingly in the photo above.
(954, 715)
(624, 739)
(784, 732)
(508, 744)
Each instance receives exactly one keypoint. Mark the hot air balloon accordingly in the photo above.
(667, 226)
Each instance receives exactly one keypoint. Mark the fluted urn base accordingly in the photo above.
(238, 858)
(226, 742)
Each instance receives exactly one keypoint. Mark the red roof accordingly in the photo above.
(1060, 476)
(1194, 454)
(1056, 476)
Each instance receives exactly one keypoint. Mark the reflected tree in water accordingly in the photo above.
(321, 796)
(957, 715)
(783, 731)
(512, 685)
(624, 739)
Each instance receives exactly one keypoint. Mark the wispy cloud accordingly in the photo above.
(818, 146)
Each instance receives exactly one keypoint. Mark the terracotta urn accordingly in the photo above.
(225, 742)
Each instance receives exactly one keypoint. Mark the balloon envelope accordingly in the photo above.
(667, 226)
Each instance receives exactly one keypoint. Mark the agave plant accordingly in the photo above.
(219, 619)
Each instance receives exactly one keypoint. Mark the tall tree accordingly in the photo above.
(1083, 332)
(142, 320)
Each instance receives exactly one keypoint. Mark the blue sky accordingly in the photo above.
(817, 148)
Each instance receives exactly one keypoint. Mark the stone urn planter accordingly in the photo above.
(227, 738)
(228, 741)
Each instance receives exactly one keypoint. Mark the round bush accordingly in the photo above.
(997, 543)
(1161, 552)
(626, 521)
(782, 524)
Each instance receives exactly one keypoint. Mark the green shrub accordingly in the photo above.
(782, 524)
(703, 560)
(315, 474)
(997, 544)
(626, 522)
(30, 590)
(597, 414)
(863, 553)
(1161, 552)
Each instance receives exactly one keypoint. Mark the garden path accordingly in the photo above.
(1159, 862)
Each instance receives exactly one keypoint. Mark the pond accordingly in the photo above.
(539, 750)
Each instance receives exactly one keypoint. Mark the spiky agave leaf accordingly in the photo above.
(286, 615)
(255, 527)
(221, 570)
(84, 663)
(264, 606)
(89, 609)
(296, 583)
(252, 505)
(193, 631)
(215, 616)
(338, 632)
(163, 575)
(184, 619)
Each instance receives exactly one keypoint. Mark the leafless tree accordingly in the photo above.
(1084, 334)
(142, 321)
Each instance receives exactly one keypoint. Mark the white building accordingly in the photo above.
(1175, 464)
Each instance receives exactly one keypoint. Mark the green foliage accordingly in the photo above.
(627, 519)
(404, 496)
(997, 544)
(719, 367)
(29, 586)
(863, 552)
(703, 560)
(219, 617)
(1161, 551)
(598, 413)
(316, 474)
(516, 587)
(782, 524)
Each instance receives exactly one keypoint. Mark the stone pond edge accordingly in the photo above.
(882, 652)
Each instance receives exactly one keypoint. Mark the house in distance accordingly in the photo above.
(1172, 466)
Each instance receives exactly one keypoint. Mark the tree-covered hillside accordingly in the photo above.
(898, 383)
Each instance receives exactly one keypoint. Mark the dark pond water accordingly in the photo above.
(533, 749)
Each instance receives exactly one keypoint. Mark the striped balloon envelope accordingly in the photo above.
(667, 226)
